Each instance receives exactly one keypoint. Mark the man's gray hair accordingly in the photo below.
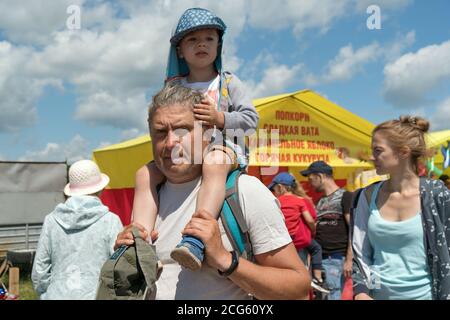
(173, 94)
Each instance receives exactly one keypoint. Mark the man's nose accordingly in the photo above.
(172, 140)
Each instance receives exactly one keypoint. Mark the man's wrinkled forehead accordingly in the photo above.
(173, 115)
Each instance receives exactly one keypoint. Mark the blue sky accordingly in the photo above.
(67, 92)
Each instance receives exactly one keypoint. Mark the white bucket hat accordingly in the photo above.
(85, 178)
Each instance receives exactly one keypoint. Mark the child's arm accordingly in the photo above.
(145, 203)
(309, 221)
(207, 112)
(242, 113)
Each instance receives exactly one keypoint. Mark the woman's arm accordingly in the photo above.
(42, 266)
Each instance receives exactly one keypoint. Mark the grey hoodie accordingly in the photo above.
(76, 239)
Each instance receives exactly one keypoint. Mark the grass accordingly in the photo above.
(26, 290)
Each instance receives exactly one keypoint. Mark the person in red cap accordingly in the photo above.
(300, 218)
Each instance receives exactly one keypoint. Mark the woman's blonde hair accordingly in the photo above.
(407, 131)
(298, 190)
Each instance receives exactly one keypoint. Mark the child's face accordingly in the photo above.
(199, 48)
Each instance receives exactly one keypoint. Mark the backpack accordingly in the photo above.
(233, 219)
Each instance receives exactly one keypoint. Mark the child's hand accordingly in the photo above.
(207, 112)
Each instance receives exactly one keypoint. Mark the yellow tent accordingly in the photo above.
(310, 128)
(436, 140)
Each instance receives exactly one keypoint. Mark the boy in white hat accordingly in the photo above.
(76, 239)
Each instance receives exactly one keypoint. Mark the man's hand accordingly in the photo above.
(362, 296)
(207, 112)
(125, 237)
(348, 268)
(206, 228)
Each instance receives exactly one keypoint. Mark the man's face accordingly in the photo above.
(172, 132)
(447, 183)
(315, 180)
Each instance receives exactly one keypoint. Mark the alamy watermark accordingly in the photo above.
(373, 22)
(189, 149)
(373, 279)
(73, 22)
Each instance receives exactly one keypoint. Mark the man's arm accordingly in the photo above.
(347, 200)
(348, 263)
(278, 274)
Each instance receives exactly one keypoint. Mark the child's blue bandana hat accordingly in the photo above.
(193, 19)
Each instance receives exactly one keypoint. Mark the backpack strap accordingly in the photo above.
(224, 92)
(368, 191)
(233, 218)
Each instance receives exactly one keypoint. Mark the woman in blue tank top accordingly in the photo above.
(399, 252)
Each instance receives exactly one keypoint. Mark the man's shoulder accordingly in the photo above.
(248, 182)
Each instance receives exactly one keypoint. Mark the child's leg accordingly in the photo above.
(316, 259)
(217, 163)
(145, 204)
(215, 169)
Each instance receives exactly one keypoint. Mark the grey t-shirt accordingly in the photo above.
(177, 204)
(332, 230)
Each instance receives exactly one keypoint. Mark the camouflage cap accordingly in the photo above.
(130, 273)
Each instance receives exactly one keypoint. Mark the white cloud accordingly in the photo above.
(387, 5)
(34, 22)
(395, 49)
(113, 62)
(19, 90)
(104, 108)
(411, 77)
(103, 144)
(345, 65)
(301, 15)
(298, 15)
(349, 62)
(76, 149)
(118, 57)
(441, 117)
(132, 133)
(274, 79)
